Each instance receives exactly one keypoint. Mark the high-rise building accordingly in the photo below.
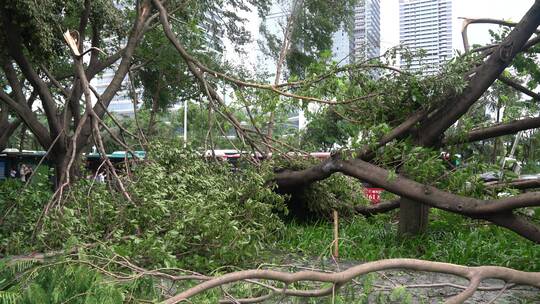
(365, 39)
(366, 36)
(122, 103)
(341, 48)
(426, 25)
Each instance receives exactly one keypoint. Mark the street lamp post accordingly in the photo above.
(185, 123)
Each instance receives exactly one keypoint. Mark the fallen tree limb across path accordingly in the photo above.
(475, 275)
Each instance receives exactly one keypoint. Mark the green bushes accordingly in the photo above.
(20, 209)
(186, 212)
(26, 282)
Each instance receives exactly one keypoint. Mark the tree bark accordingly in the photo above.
(413, 217)
(8, 130)
(381, 207)
(22, 138)
(155, 106)
(497, 211)
(495, 131)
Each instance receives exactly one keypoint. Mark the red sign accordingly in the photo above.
(373, 194)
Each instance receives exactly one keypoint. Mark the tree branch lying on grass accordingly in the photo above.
(121, 269)
(475, 275)
(381, 207)
(497, 211)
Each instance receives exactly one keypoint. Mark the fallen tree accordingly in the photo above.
(426, 127)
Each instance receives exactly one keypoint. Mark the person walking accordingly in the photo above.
(22, 172)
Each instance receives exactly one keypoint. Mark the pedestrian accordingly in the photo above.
(29, 172)
(22, 172)
(100, 177)
(13, 173)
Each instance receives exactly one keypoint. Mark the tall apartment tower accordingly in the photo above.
(366, 35)
(365, 39)
(426, 25)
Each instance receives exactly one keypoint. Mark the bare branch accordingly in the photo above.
(517, 184)
(495, 131)
(381, 207)
(29, 119)
(474, 274)
(467, 21)
(201, 68)
(519, 87)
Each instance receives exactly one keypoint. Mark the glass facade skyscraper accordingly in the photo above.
(365, 39)
(426, 25)
(366, 36)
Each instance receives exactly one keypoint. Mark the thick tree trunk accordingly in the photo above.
(7, 130)
(413, 217)
(22, 138)
(60, 170)
(59, 159)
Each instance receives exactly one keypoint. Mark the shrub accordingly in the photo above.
(185, 212)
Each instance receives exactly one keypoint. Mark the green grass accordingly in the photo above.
(450, 238)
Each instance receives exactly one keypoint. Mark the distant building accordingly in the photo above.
(341, 46)
(426, 25)
(365, 39)
(122, 103)
(366, 35)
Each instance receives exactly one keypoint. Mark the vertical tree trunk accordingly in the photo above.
(413, 217)
(155, 106)
(496, 140)
(22, 138)
(60, 159)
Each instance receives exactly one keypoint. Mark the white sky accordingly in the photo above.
(511, 10)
